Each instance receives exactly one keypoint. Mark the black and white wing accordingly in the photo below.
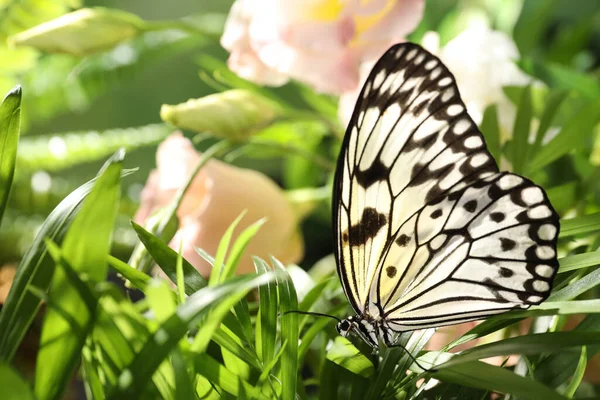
(427, 231)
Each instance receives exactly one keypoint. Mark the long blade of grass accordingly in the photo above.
(490, 129)
(35, 271)
(578, 261)
(288, 300)
(10, 126)
(552, 104)
(579, 225)
(85, 249)
(530, 344)
(478, 374)
(520, 138)
(218, 265)
(578, 376)
(166, 258)
(575, 289)
(215, 372)
(210, 305)
(572, 136)
(344, 354)
(266, 327)
(13, 386)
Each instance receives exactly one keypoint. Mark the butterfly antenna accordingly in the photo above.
(315, 314)
(432, 370)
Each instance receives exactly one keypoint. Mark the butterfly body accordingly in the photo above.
(428, 232)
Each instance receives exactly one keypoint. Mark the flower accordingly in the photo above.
(482, 61)
(217, 195)
(319, 42)
(7, 274)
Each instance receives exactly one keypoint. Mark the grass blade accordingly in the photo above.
(491, 131)
(344, 354)
(266, 327)
(218, 265)
(13, 386)
(578, 261)
(166, 258)
(10, 126)
(289, 333)
(554, 101)
(210, 305)
(579, 225)
(572, 136)
(575, 289)
(520, 136)
(85, 249)
(578, 376)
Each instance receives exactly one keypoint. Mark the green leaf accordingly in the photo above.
(13, 386)
(572, 136)
(490, 129)
(215, 372)
(478, 374)
(183, 382)
(552, 104)
(266, 327)
(218, 264)
(344, 354)
(209, 305)
(576, 288)
(288, 301)
(521, 129)
(137, 278)
(85, 249)
(166, 259)
(35, 271)
(10, 125)
(578, 376)
(238, 248)
(578, 261)
(528, 344)
(579, 225)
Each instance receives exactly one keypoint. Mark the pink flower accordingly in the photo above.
(218, 194)
(319, 42)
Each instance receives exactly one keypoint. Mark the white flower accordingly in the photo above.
(319, 42)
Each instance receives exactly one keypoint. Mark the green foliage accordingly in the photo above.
(237, 336)
(10, 119)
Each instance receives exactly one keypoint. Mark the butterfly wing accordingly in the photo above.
(411, 154)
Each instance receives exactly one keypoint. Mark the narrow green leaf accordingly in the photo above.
(179, 273)
(85, 249)
(529, 344)
(575, 289)
(572, 136)
(480, 375)
(266, 328)
(485, 328)
(231, 342)
(344, 354)
(552, 104)
(578, 261)
(10, 126)
(12, 384)
(218, 265)
(161, 300)
(288, 299)
(166, 259)
(490, 129)
(137, 278)
(579, 225)
(578, 376)
(238, 248)
(521, 129)
(215, 372)
(557, 368)
(209, 305)
(183, 382)
(387, 368)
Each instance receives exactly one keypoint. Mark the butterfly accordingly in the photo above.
(428, 232)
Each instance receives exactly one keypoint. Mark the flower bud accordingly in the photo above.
(81, 32)
(234, 114)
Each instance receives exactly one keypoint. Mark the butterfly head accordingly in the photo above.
(344, 327)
